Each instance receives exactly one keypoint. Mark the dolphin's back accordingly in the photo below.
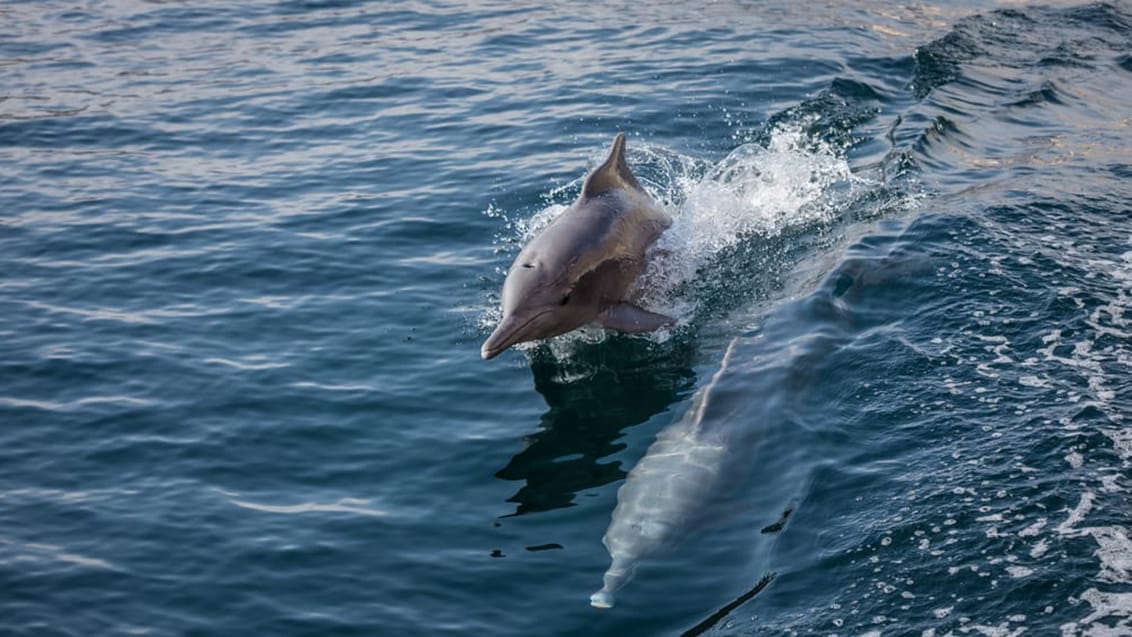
(613, 226)
(613, 218)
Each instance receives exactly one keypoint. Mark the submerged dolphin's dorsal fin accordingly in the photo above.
(614, 173)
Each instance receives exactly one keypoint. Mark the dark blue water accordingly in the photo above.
(248, 253)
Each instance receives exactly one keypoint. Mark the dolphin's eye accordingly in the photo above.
(528, 265)
(565, 300)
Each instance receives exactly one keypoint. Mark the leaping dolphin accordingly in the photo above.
(582, 268)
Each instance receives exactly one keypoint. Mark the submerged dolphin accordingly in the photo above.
(669, 488)
(583, 266)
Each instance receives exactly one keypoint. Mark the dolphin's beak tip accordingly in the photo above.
(506, 334)
(492, 347)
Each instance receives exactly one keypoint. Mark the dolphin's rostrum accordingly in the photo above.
(583, 267)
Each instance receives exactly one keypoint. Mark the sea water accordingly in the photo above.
(249, 253)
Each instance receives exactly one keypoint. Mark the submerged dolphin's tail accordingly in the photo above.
(616, 577)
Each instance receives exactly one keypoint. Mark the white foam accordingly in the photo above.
(1019, 571)
(1096, 352)
(1106, 321)
(1075, 459)
(1114, 552)
(1106, 606)
(1033, 529)
(1100, 356)
(754, 192)
(995, 631)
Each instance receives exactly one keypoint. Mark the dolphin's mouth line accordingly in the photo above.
(522, 328)
(515, 332)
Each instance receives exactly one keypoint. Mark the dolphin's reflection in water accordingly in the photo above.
(591, 398)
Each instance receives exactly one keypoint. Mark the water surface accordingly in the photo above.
(249, 253)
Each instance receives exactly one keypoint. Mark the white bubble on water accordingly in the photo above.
(1033, 529)
(1075, 459)
(1034, 381)
(1019, 571)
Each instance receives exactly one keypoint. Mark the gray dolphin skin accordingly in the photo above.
(583, 267)
(668, 489)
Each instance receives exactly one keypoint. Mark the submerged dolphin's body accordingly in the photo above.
(662, 497)
(583, 267)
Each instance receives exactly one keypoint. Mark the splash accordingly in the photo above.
(794, 184)
(752, 196)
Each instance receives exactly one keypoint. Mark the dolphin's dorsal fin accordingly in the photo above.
(614, 173)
